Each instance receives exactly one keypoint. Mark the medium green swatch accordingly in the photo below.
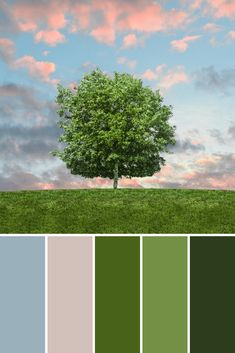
(117, 294)
(212, 294)
(165, 294)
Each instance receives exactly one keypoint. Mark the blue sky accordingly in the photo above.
(184, 48)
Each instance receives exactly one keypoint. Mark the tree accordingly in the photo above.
(113, 127)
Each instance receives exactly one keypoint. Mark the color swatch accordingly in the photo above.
(165, 294)
(117, 294)
(22, 295)
(212, 308)
(70, 294)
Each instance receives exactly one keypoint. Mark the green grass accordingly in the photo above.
(118, 211)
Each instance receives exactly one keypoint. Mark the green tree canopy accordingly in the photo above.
(113, 127)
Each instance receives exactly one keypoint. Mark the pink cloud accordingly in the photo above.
(140, 15)
(160, 68)
(166, 174)
(28, 15)
(182, 44)
(173, 77)
(56, 19)
(149, 75)
(49, 37)
(131, 40)
(166, 80)
(37, 12)
(98, 182)
(111, 10)
(82, 17)
(214, 171)
(45, 186)
(231, 34)
(38, 69)
(133, 183)
(221, 8)
(202, 180)
(7, 43)
(104, 34)
(7, 50)
(189, 175)
(131, 64)
(152, 18)
(147, 17)
(196, 4)
(27, 26)
(32, 15)
(166, 171)
(212, 27)
(124, 61)
(153, 75)
(207, 160)
(226, 182)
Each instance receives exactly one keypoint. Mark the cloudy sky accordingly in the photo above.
(185, 48)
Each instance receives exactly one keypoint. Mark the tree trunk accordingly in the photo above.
(115, 179)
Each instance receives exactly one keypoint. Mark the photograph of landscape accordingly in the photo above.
(117, 116)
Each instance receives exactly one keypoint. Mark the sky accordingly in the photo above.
(185, 48)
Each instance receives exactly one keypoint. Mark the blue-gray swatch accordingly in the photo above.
(22, 295)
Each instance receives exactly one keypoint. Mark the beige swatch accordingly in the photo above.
(70, 294)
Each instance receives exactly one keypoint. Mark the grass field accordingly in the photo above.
(118, 211)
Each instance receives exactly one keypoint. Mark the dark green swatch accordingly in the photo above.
(212, 293)
(117, 294)
(165, 295)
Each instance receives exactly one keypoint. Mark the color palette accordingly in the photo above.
(116, 294)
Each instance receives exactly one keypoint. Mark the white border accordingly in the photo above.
(93, 294)
(188, 294)
(141, 294)
(93, 276)
(46, 294)
(119, 235)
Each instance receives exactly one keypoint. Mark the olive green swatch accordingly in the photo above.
(212, 294)
(165, 294)
(117, 294)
